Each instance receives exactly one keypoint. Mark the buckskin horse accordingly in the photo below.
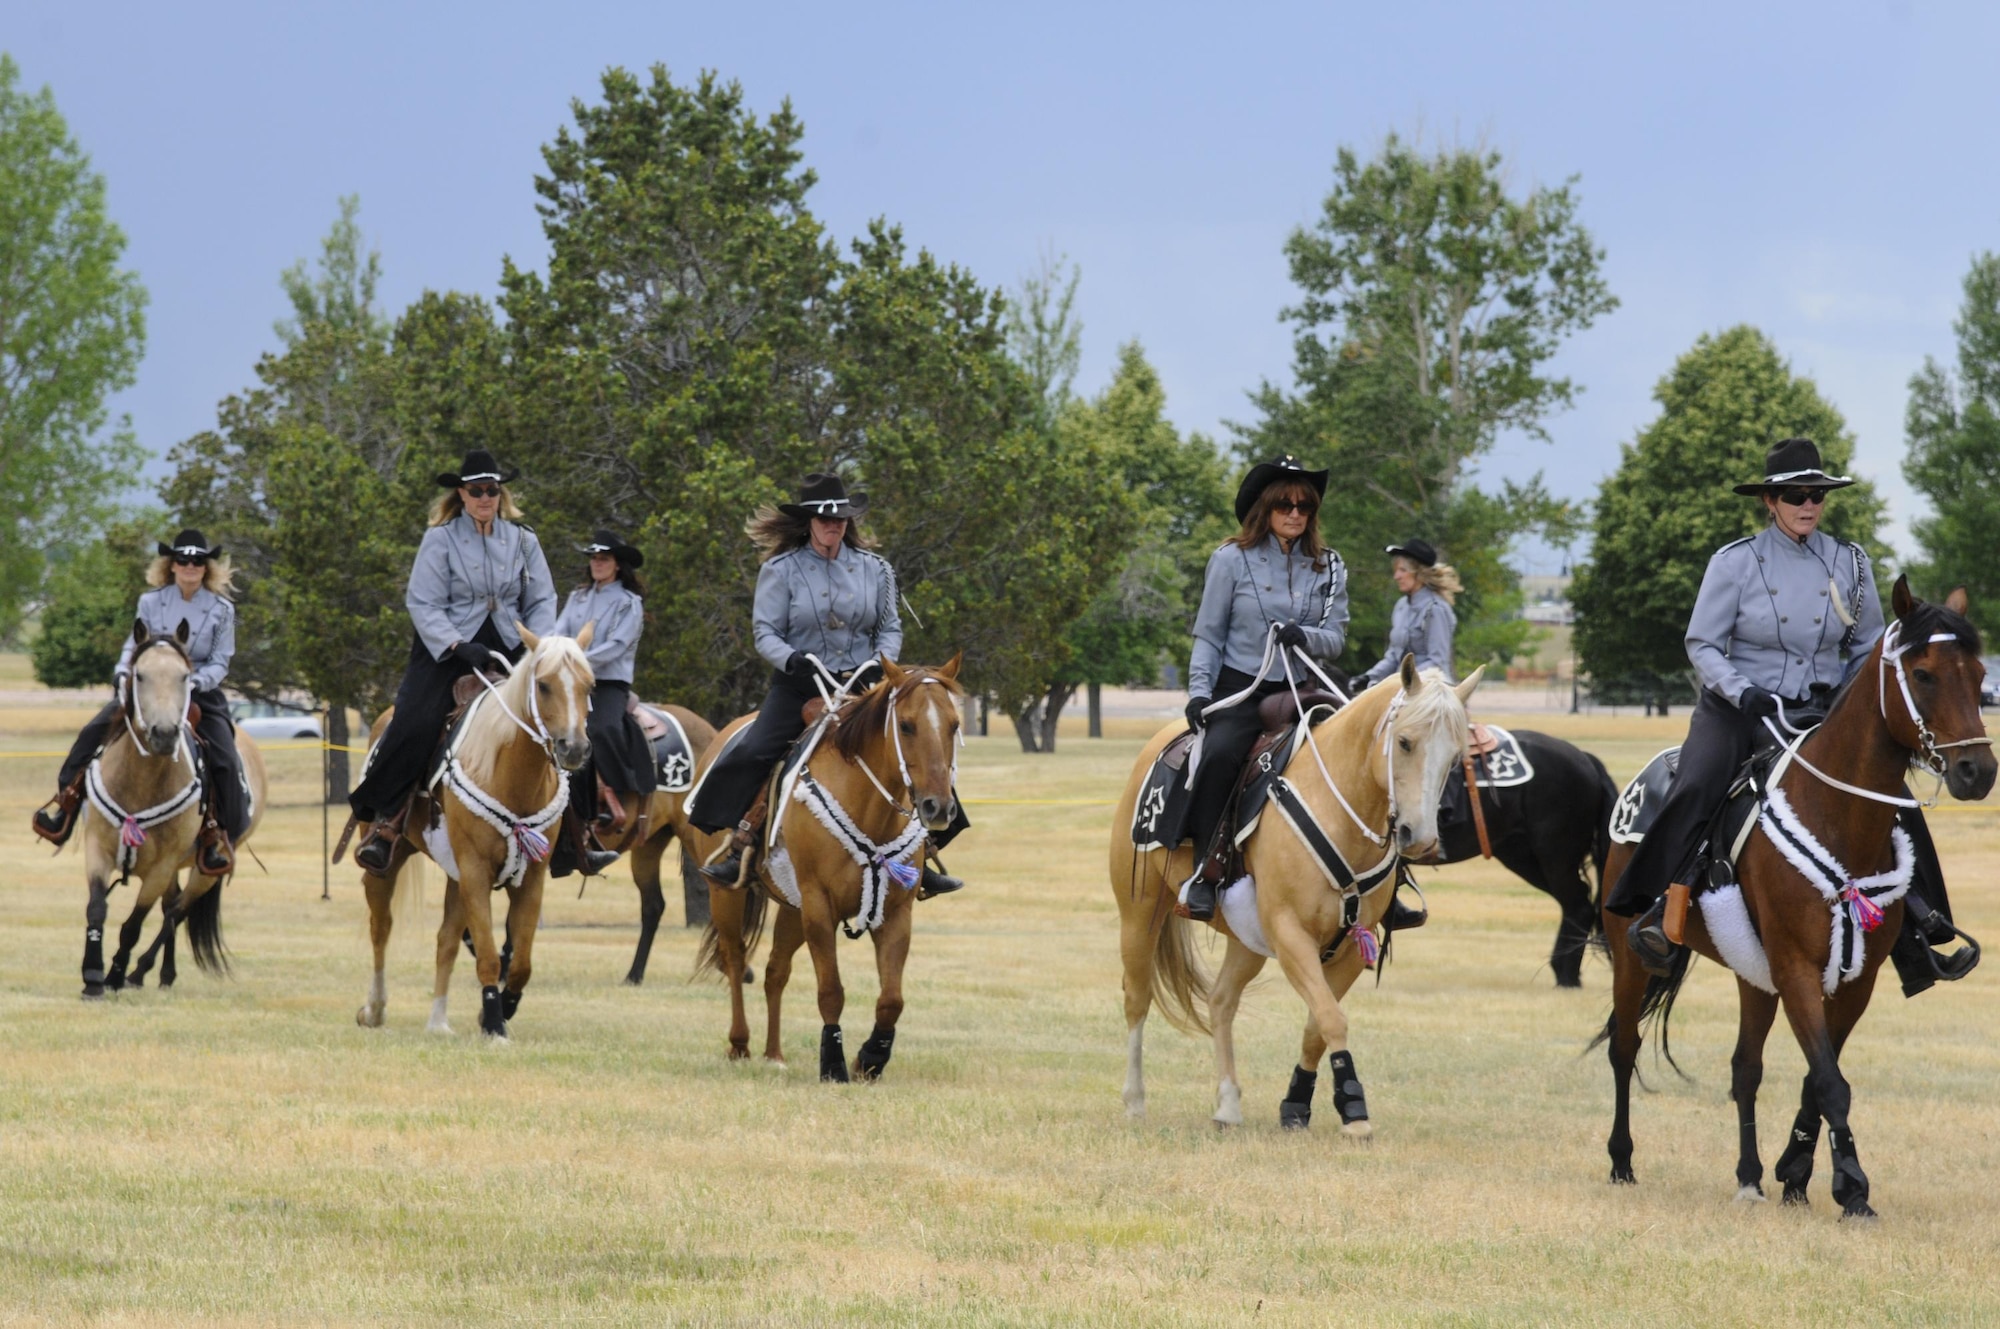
(1813, 944)
(844, 851)
(1364, 784)
(143, 801)
(501, 794)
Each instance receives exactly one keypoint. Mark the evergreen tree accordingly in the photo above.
(1952, 429)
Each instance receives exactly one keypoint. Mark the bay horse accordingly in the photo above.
(853, 838)
(500, 800)
(142, 813)
(646, 838)
(1553, 832)
(1369, 778)
(1914, 699)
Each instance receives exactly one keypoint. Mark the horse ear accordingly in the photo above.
(950, 670)
(534, 643)
(1957, 601)
(1900, 598)
(1410, 680)
(140, 632)
(181, 632)
(583, 637)
(894, 672)
(1470, 685)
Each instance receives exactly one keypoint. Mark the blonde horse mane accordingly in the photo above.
(487, 731)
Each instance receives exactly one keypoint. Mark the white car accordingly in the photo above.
(1989, 690)
(262, 720)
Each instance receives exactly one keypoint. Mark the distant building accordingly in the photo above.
(1545, 601)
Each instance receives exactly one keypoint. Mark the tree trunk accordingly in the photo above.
(1052, 708)
(336, 759)
(1025, 727)
(1097, 710)
(985, 715)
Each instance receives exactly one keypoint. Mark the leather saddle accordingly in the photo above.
(1277, 712)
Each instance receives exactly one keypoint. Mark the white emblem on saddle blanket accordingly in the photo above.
(1504, 766)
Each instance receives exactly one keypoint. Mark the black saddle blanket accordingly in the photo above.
(673, 755)
(1159, 818)
(1640, 804)
(1640, 801)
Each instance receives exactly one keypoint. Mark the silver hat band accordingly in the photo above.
(483, 475)
(825, 505)
(1783, 476)
(191, 550)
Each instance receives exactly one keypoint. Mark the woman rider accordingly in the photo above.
(478, 571)
(820, 592)
(1274, 571)
(193, 583)
(612, 597)
(1783, 615)
(1422, 622)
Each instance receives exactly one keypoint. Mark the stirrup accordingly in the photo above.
(379, 846)
(725, 872)
(1647, 938)
(1199, 897)
(937, 883)
(213, 855)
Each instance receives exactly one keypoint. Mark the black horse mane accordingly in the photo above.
(1929, 620)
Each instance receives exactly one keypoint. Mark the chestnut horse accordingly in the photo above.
(844, 850)
(141, 815)
(1914, 699)
(502, 794)
(1370, 777)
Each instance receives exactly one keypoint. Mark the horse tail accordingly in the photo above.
(1600, 847)
(406, 896)
(1180, 984)
(1655, 1008)
(708, 956)
(204, 929)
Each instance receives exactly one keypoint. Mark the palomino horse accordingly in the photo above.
(1370, 778)
(142, 814)
(852, 853)
(1915, 699)
(502, 795)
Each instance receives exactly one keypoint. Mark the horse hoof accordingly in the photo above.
(497, 1038)
(632, 982)
(1622, 1176)
(738, 1053)
(1750, 1194)
(1795, 1195)
(93, 991)
(136, 981)
(438, 1027)
(368, 1017)
(772, 1063)
(1135, 1112)
(1358, 1130)
(1858, 1212)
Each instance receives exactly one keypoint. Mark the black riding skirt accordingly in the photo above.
(1225, 745)
(619, 748)
(423, 704)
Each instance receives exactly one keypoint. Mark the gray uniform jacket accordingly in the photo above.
(1247, 590)
(211, 624)
(462, 577)
(1422, 625)
(1765, 614)
(614, 642)
(841, 609)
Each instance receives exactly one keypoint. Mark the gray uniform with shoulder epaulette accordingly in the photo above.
(619, 617)
(1770, 614)
(1245, 591)
(211, 624)
(462, 577)
(1422, 625)
(840, 609)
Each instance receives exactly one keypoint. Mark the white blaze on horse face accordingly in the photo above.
(1425, 743)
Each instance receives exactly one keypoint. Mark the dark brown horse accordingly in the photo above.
(1915, 698)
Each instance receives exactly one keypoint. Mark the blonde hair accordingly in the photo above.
(449, 505)
(217, 578)
(773, 532)
(1440, 577)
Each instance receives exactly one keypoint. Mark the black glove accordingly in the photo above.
(1757, 703)
(473, 654)
(1293, 636)
(1195, 706)
(796, 665)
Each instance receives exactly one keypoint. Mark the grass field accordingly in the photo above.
(239, 1151)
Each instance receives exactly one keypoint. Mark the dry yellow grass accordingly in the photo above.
(241, 1152)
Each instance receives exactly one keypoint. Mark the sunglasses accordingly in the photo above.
(190, 560)
(1799, 498)
(1294, 505)
(482, 491)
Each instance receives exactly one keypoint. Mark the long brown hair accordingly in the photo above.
(774, 532)
(627, 577)
(1257, 524)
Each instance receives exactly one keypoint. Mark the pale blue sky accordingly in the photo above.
(1824, 171)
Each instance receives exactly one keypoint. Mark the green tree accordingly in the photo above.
(91, 597)
(1952, 428)
(1670, 505)
(1432, 300)
(72, 329)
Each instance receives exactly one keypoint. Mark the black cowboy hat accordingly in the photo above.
(478, 465)
(1267, 473)
(1420, 552)
(824, 495)
(189, 544)
(1794, 464)
(604, 542)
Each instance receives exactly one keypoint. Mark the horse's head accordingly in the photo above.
(1425, 738)
(560, 677)
(157, 701)
(1940, 661)
(912, 716)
